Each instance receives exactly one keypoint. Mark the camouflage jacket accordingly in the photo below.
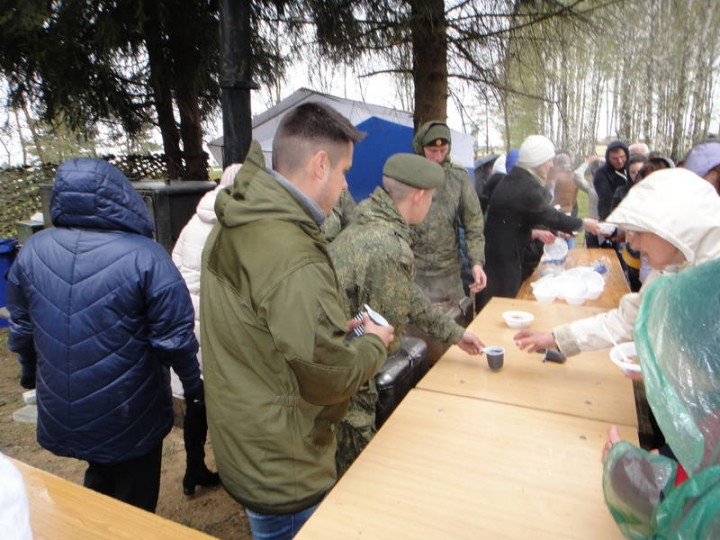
(374, 264)
(436, 242)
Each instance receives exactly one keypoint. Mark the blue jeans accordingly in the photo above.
(278, 526)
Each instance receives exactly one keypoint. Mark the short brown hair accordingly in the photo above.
(308, 128)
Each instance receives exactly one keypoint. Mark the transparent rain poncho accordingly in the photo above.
(677, 334)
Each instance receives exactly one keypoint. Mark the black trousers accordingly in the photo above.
(136, 481)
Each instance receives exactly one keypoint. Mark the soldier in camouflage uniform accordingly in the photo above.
(340, 217)
(436, 242)
(374, 265)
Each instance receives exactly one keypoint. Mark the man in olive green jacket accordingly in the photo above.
(278, 369)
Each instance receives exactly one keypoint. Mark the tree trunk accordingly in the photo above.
(160, 82)
(22, 140)
(430, 75)
(186, 67)
(33, 132)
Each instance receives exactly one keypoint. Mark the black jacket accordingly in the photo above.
(607, 180)
(518, 204)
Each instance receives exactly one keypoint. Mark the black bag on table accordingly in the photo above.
(401, 372)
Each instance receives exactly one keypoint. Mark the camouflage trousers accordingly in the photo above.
(357, 428)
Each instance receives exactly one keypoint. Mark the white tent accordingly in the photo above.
(265, 124)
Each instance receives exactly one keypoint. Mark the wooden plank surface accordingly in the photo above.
(615, 283)
(588, 385)
(446, 466)
(61, 510)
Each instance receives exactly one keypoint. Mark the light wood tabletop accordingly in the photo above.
(615, 283)
(588, 385)
(446, 466)
(61, 510)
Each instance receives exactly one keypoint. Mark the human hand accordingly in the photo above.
(592, 226)
(532, 340)
(613, 437)
(27, 376)
(385, 333)
(479, 279)
(545, 236)
(470, 343)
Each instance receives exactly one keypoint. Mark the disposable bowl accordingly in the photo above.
(628, 349)
(544, 295)
(518, 319)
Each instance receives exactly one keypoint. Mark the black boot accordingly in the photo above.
(195, 435)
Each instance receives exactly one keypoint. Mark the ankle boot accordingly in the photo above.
(199, 476)
(194, 436)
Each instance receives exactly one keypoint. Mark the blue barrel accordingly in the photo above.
(7, 256)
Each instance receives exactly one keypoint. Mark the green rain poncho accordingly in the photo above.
(677, 335)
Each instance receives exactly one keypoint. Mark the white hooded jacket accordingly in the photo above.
(187, 252)
(681, 208)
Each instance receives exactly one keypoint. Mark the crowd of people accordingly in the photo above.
(271, 271)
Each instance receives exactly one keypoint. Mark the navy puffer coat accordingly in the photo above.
(98, 313)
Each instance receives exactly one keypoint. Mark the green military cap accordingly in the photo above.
(414, 170)
(437, 135)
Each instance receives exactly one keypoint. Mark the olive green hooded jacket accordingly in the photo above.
(436, 243)
(278, 371)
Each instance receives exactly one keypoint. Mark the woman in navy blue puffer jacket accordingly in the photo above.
(98, 313)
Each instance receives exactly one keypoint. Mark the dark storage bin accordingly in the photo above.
(400, 373)
(171, 204)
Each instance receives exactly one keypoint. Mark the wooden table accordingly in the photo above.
(615, 283)
(446, 466)
(62, 510)
(588, 385)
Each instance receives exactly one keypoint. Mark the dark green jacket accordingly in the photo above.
(278, 371)
(436, 243)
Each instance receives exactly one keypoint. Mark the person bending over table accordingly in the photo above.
(518, 205)
(673, 219)
(656, 217)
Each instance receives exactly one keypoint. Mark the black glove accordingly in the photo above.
(196, 396)
(27, 377)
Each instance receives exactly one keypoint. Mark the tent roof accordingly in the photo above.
(265, 124)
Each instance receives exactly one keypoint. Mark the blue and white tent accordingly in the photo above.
(388, 131)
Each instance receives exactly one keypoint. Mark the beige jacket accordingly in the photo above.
(681, 208)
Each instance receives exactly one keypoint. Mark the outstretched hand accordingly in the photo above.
(470, 343)
(613, 437)
(532, 340)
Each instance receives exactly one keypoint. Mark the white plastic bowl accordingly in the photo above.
(518, 319)
(544, 295)
(574, 290)
(575, 300)
(607, 229)
(557, 250)
(628, 349)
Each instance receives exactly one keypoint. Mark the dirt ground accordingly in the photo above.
(210, 510)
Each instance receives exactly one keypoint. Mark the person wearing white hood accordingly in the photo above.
(187, 256)
(673, 218)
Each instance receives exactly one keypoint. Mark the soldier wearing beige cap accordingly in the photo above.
(436, 242)
(374, 265)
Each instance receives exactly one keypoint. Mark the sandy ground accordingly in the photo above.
(210, 510)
